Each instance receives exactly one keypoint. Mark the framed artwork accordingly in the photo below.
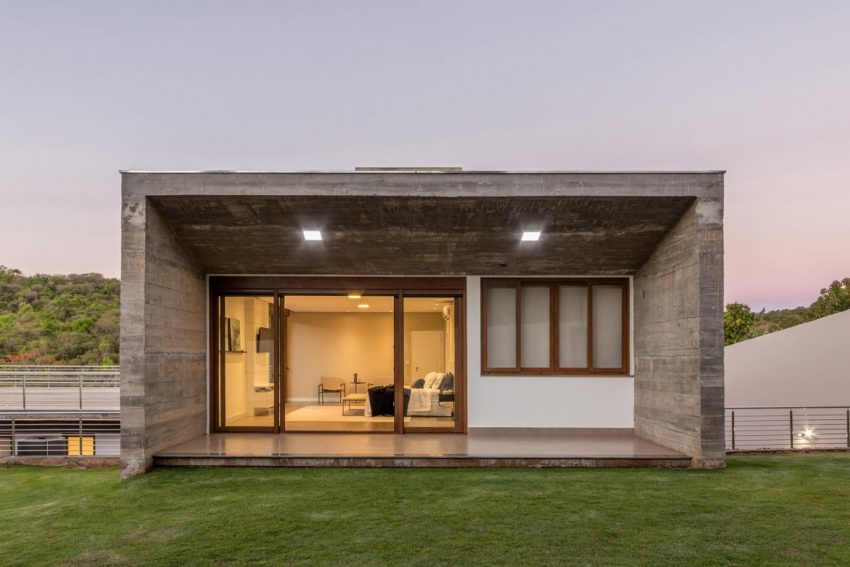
(234, 336)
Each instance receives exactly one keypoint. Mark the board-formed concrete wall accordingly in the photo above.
(677, 293)
(679, 338)
(163, 344)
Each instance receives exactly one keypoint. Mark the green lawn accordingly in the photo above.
(770, 510)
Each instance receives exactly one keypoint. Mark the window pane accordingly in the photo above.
(572, 327)
(247, 371)
(501, 327)
(607, 326)
(429, 362)
(535, 327)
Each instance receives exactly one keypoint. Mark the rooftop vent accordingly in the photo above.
(408, 169)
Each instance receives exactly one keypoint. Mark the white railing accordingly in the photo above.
(787, 428)
(45, 436)
(59, 388)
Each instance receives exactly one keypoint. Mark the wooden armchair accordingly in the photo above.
(331, 385)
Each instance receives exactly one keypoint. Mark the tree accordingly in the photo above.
(833, 299)
(738, 322)
(63, 319)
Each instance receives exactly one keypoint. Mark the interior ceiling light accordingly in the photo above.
(363, 306)
(354, 296)
(312, 234)
(530, 236)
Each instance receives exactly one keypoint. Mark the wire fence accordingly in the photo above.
(787, 428)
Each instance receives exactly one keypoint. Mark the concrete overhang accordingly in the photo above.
(421, 223)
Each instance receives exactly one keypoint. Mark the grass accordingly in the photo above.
(761, 510)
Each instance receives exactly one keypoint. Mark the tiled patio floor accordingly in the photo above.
(536, 447)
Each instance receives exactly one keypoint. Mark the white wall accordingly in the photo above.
(337, 345)
(806, 365)
(543, 401)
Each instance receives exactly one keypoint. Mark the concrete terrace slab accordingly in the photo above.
(479, 448)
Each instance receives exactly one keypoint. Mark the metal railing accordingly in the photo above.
(785, 428)
(64, 436)
(59, 388)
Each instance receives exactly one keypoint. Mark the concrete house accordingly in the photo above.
(422, 317)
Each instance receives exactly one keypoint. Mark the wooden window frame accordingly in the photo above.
(554, 284)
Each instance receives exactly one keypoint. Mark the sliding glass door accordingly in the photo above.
(346, 355)
(339, 357)
(246, 362)
(430, 329)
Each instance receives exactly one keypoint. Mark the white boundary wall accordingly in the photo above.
(806, 365)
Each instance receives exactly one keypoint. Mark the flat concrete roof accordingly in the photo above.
(422, 171)
(400, 222)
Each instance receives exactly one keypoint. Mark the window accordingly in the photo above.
(80, 446)
(538, 327)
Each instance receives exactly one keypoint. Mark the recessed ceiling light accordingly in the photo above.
(363, 306)
(530, 236)
(354, 296)
(312, 234)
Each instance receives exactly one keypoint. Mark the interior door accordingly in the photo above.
(427, 353)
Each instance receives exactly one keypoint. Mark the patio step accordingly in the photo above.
(410, 461)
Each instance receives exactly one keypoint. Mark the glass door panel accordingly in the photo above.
(430, 333)
(339, 363)
(247, 381)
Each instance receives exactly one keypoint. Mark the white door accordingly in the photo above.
(427, 353)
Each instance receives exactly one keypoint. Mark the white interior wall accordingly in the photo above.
(337, 345)
(418, 322)
(234, 364)
(540, 401)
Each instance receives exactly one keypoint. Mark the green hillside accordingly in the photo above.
(58, 319)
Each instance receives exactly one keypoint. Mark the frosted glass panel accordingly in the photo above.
(607, 326)
(501, 327)
(535, 327)
(572, 327)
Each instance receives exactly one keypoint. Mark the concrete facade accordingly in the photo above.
(163, 339)
(678, 349)
(664, 229)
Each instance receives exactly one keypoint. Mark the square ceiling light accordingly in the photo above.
(530, 236)
(312, 234)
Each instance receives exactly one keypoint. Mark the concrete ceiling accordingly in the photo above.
(380, 235)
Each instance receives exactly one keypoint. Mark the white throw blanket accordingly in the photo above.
(420, 400)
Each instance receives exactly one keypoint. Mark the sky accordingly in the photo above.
(760, 89)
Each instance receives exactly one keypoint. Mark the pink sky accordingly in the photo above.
(760, 89)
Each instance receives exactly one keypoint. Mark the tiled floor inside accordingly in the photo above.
(520, 443)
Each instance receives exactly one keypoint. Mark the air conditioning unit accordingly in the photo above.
(41, 445)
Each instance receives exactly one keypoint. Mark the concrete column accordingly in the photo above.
(163, 350)
(679, 338)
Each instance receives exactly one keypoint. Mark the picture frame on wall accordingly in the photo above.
(233, 336)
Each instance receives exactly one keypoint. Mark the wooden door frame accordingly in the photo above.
(218, 396)
(279, 286)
